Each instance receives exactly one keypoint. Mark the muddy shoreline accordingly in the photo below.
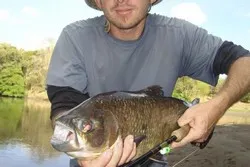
(229, 147)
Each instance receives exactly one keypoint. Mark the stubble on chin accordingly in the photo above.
(126, 22)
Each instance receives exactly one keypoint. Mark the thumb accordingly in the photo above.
(189, 138)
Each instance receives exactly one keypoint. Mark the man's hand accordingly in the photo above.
(201, 118)
(121, 153)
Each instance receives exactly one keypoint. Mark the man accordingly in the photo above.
(129, 49)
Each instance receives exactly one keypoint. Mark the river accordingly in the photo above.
(25, 132)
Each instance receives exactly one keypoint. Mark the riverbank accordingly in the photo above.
(229, 147)
(42, 96)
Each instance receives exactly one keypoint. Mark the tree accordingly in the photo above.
(11, 74)
(187, 89)
(22, 70)
(37, 67)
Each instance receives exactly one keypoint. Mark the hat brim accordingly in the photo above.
(92, 4)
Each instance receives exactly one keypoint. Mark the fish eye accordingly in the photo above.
(87, 128)
(82, 125)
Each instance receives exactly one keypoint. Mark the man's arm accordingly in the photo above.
(234, 61)
(235, 87)
(204, 116)
(237, 83)
(63, 99)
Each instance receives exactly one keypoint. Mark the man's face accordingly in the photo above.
(125, 14)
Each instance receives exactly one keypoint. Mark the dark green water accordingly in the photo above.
(24, 136)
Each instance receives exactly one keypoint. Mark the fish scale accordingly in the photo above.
(154, 112)
(120, 113)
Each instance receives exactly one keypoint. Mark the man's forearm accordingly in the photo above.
(237, 83)
(63, 99)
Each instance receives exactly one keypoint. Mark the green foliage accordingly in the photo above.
(11, 74)
(12, 82)
(37, 67)
(187, 89)
(9, 53)
(22, 70)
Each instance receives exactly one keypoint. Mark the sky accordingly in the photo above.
(28, 24)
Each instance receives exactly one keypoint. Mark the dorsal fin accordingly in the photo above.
(154, 90)
(195, 101)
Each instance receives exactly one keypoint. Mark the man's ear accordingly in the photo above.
(98, 3)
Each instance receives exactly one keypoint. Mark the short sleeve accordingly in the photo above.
(199, 51)
(66, 66)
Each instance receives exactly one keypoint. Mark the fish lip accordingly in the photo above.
(63, 146)
(60, 139)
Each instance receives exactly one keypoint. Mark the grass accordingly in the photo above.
(240, 107)
(237, 107)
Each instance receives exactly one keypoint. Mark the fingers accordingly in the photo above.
(121, 154)
(128, 149)
(101, 161)
(190, 137)
(133, 154)
(201, 140)
(196, 131)
(205, 137)
(185, 119)
(199, 117)
(195, 135)
(117, 154)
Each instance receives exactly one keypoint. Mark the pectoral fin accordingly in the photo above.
(138, 139)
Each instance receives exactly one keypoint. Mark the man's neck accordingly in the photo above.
(128, 34)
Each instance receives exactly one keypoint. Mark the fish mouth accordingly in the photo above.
(64, 139)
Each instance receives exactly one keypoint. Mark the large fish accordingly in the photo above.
(93, 126)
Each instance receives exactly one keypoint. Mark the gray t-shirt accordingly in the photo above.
(88, 59)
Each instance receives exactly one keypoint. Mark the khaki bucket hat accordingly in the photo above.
(92, 4)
